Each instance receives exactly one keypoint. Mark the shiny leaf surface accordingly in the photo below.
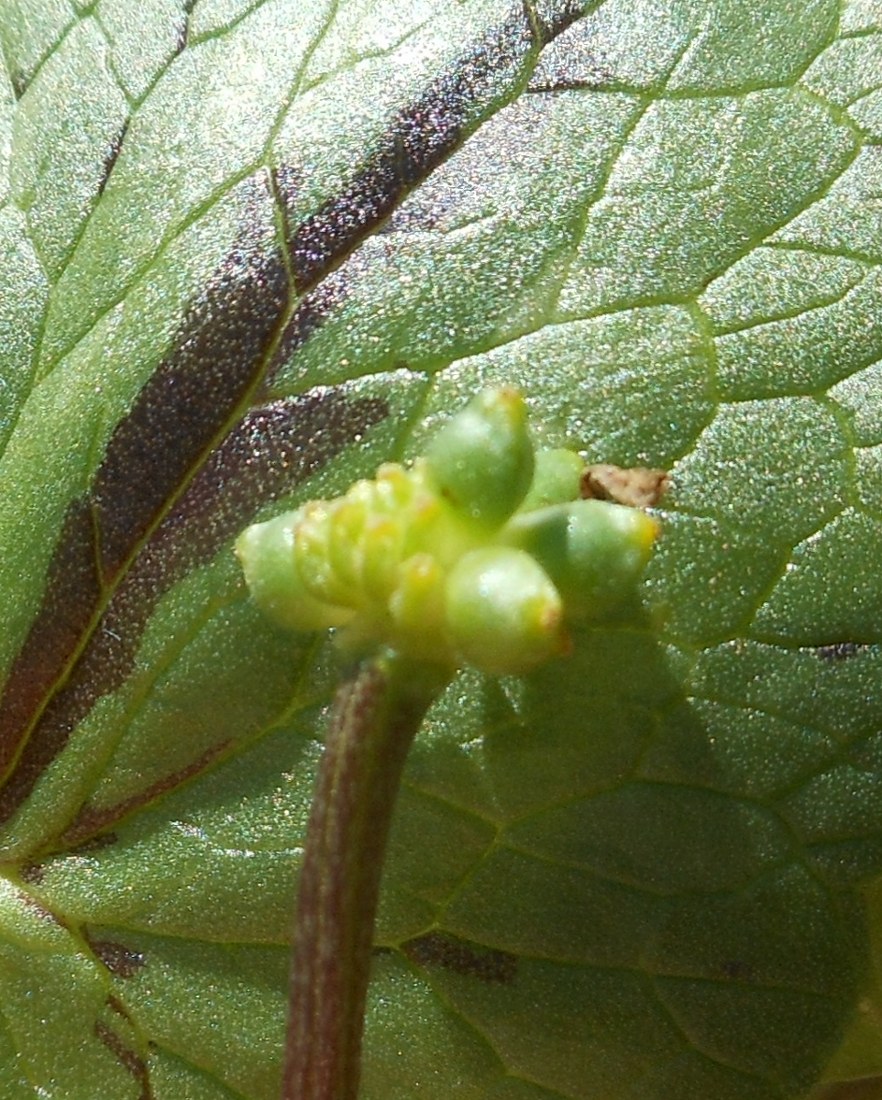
(253, 248)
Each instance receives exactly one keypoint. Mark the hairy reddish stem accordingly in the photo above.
(375, 716)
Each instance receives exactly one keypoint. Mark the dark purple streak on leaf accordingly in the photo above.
(840, 651)
(217, 360)
(34, 873)
(111, 157)
(194, 392)
(417, 141)
(736, 970)
(94, 844)
(73, 590)
(116, 1005)
(574, 61)
(316, 303)
(550, 26)
(310, 313)
(172, 427)
(127, 1057)
(271, 451)
(41, 911)
(90, 819)
(265, 457)
(119, 959)
(103, 665)
(286, 183)
(485, 964)
(567, 86)
(866, 1089)
(183, 35)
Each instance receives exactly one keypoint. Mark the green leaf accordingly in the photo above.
(253, 248)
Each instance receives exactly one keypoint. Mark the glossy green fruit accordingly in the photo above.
(504, 614)
(556, 479)
(267, 555)
(482, 459)
(594, 551)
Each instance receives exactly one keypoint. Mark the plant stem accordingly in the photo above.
(375, 715)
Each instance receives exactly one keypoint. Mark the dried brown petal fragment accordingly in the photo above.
(635, 486)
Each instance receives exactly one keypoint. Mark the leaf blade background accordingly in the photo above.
(666, 234)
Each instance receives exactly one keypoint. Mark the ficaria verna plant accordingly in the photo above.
(480, 552)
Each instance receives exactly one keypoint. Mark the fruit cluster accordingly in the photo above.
(479, 552)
